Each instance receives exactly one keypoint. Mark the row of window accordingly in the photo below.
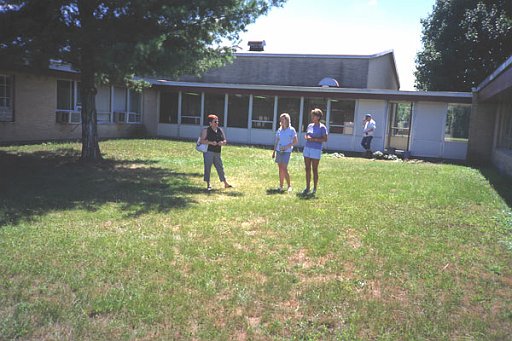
(234, 110)
(264, 112)
(119, 104)
(113, 104)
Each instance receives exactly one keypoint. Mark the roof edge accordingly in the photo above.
(309, 89)
(499, 70)
(310, 55)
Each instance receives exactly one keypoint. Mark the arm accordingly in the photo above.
(323, 138)
(276, 143)
(223, 142)
(203, 137)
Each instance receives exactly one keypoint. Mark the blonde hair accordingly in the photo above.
(288, 119)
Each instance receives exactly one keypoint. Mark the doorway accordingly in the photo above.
(399, 126)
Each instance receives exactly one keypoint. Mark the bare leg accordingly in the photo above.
(307, 164)
(315, 163)
(281, 175)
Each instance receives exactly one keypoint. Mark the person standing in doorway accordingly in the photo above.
(215, 138)
(286, 138)
(316, 135)
(368, 130)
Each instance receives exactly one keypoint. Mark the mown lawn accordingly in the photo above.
(134, 248)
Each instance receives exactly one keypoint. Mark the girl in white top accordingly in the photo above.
(286, 138)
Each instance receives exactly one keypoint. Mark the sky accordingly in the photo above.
(345, 27)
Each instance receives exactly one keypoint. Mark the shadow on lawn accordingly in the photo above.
(33, 184)
(502, 184)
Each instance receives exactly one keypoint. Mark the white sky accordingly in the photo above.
(346, 27)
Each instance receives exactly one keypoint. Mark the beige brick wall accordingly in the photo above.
(35, 103)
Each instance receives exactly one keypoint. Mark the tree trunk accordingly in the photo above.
(90, 146)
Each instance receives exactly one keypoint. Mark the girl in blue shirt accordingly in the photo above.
(316, 135)
(286, 138)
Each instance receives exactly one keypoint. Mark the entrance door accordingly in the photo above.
(399, 124)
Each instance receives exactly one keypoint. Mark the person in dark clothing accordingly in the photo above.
(215, 138)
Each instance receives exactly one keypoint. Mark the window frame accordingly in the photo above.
(344, 127)
(7, 110)
(449, 123)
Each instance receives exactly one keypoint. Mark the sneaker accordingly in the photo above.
(290, 189)
(305, 191)
(209, 188)
(280, 189)
(313, 192)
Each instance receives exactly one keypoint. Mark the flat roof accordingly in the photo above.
(355, 93)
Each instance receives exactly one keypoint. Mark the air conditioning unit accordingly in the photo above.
(76, 117)
(62, 116)
(119, 117)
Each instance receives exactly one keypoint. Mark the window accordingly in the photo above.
(342, 116)
(103, 104)
(68, 102)
(238, 111)
(120, 104)
(505, 127)
(262, 112)
(135, 106)
(169, 107)
(214, 104)
(400, 119)
(65, 95)
(291, 106)
(457, 122)
(6, 104)
(191, 108)
(310, 104)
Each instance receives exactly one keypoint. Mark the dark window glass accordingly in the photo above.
(169, 107)
(262, 112)
(310, 104)
(238, 111)
(291, 106)
(65, 100)
(191, 108)
(342, 116)
(214, 104)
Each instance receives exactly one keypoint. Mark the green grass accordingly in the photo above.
(134, 248)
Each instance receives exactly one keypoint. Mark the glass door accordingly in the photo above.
(399, 124)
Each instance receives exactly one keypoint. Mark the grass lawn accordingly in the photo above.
(135, 248)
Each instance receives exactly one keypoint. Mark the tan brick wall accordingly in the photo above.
(35, 103)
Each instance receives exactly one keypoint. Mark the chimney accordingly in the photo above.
(256, 45)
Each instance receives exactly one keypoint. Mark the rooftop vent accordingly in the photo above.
(256, 45)
(329, 82)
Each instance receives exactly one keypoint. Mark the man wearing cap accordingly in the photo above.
(369, 128)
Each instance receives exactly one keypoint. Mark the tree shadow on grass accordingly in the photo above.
(502, 184)
(34, 184)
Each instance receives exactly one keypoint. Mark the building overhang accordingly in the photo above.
(294, 91)
(499, 82)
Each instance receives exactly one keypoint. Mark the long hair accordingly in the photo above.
(288, 120)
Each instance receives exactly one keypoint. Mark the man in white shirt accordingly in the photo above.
(369, 129)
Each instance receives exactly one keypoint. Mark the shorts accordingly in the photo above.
(312, 153)
(283, 157)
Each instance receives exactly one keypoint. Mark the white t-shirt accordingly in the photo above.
(285, 137)
(369, 128)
